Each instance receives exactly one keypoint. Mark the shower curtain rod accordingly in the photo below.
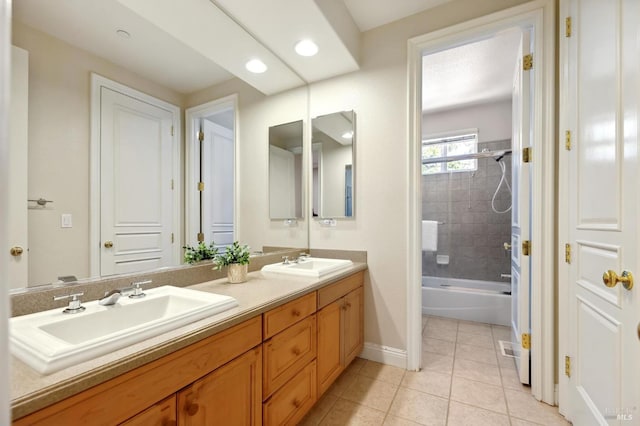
(484, 154)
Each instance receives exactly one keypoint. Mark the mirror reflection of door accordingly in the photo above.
(18, 147)
(285, 171)
(217, 172)
(138, 149)
(333, 138)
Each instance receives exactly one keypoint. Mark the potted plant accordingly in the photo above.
(236, 257)
(200, 252)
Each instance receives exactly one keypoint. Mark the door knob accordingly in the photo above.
(108, 244)
(610, 279)
(16, 251)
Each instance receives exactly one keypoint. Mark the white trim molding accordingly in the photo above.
(384, 354)
(539, 15)
(97, 81)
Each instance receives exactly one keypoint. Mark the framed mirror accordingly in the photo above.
(333, 142)
(285, 171)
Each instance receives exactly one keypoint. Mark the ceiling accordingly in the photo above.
(193, 44)
(470, 74)
(188, 45)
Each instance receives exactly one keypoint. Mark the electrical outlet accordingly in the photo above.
(66, 220)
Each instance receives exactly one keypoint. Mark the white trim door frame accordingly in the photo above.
(540, 15)
(5, 66)
(97, 82)
(193, 116)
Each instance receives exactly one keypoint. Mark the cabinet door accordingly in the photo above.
(353, 323)
(329, 348)
(161, 414)
(230, 395)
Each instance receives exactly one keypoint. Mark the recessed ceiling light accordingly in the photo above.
(123, 34)
(347, 135)
(256, 66)
(306, 48)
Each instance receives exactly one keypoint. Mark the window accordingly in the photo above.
(437, 150)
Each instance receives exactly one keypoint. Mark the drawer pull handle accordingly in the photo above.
(295, 351)
(295, 313)
(296, 403)
(192, 409)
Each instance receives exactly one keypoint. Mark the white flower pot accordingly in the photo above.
(237, 273)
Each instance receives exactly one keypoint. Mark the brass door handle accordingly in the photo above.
(610, 279)
(16, 251)
(108, 244)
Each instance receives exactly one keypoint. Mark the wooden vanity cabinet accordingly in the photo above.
(340, 328)
(231, 395)
(161, 414)
(289, 361)
(133, 396)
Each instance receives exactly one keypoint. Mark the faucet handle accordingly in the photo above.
(285, 260)
(137, 289)
(75, 305)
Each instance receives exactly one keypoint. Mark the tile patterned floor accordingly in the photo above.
(464, 381)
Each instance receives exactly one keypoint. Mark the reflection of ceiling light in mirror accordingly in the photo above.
(347, 135)
(123, 33)
(306, 48)
(256, 66)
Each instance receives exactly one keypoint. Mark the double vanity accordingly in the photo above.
(260, 352)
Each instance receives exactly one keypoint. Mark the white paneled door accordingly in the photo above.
(521, 213)
(601, 87)
(136, 184)
(18, 265)
(218, 176)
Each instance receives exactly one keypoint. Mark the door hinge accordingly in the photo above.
(200, 186)
(172, 238)
(526, 248)
(526, 155)
(567, 140)
(527, 62)
(567, 253)
(200, 135)
(200, 236)
(567, 26)
(526, 341)
(567, 366)
(171, 130)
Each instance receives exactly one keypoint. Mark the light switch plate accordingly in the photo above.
(66, 220)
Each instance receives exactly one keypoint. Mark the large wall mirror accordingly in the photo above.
(333, 142)
(58, 165)
(285, 171)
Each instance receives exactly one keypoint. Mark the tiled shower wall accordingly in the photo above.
(471, 234)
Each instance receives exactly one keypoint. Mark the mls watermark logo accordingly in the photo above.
(626, 414)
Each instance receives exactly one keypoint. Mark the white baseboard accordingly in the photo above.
(384, 355)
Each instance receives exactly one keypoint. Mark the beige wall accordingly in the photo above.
(59, 97)
(378, 94)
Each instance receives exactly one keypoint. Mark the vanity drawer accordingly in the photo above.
(287, 353)
(289, 404)
(290, 313)
(335, 291)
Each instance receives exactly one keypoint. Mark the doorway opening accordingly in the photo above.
(534, 222)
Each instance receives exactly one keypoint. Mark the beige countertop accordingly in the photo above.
(31, 391)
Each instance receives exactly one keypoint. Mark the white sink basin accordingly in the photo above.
(51, 340)
(310, 267)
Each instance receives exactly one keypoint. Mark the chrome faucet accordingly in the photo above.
(110, 297)
(137, 289)
(75, 305)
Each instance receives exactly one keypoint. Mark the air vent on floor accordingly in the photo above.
(506, 348)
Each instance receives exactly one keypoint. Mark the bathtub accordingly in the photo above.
(470, 300)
